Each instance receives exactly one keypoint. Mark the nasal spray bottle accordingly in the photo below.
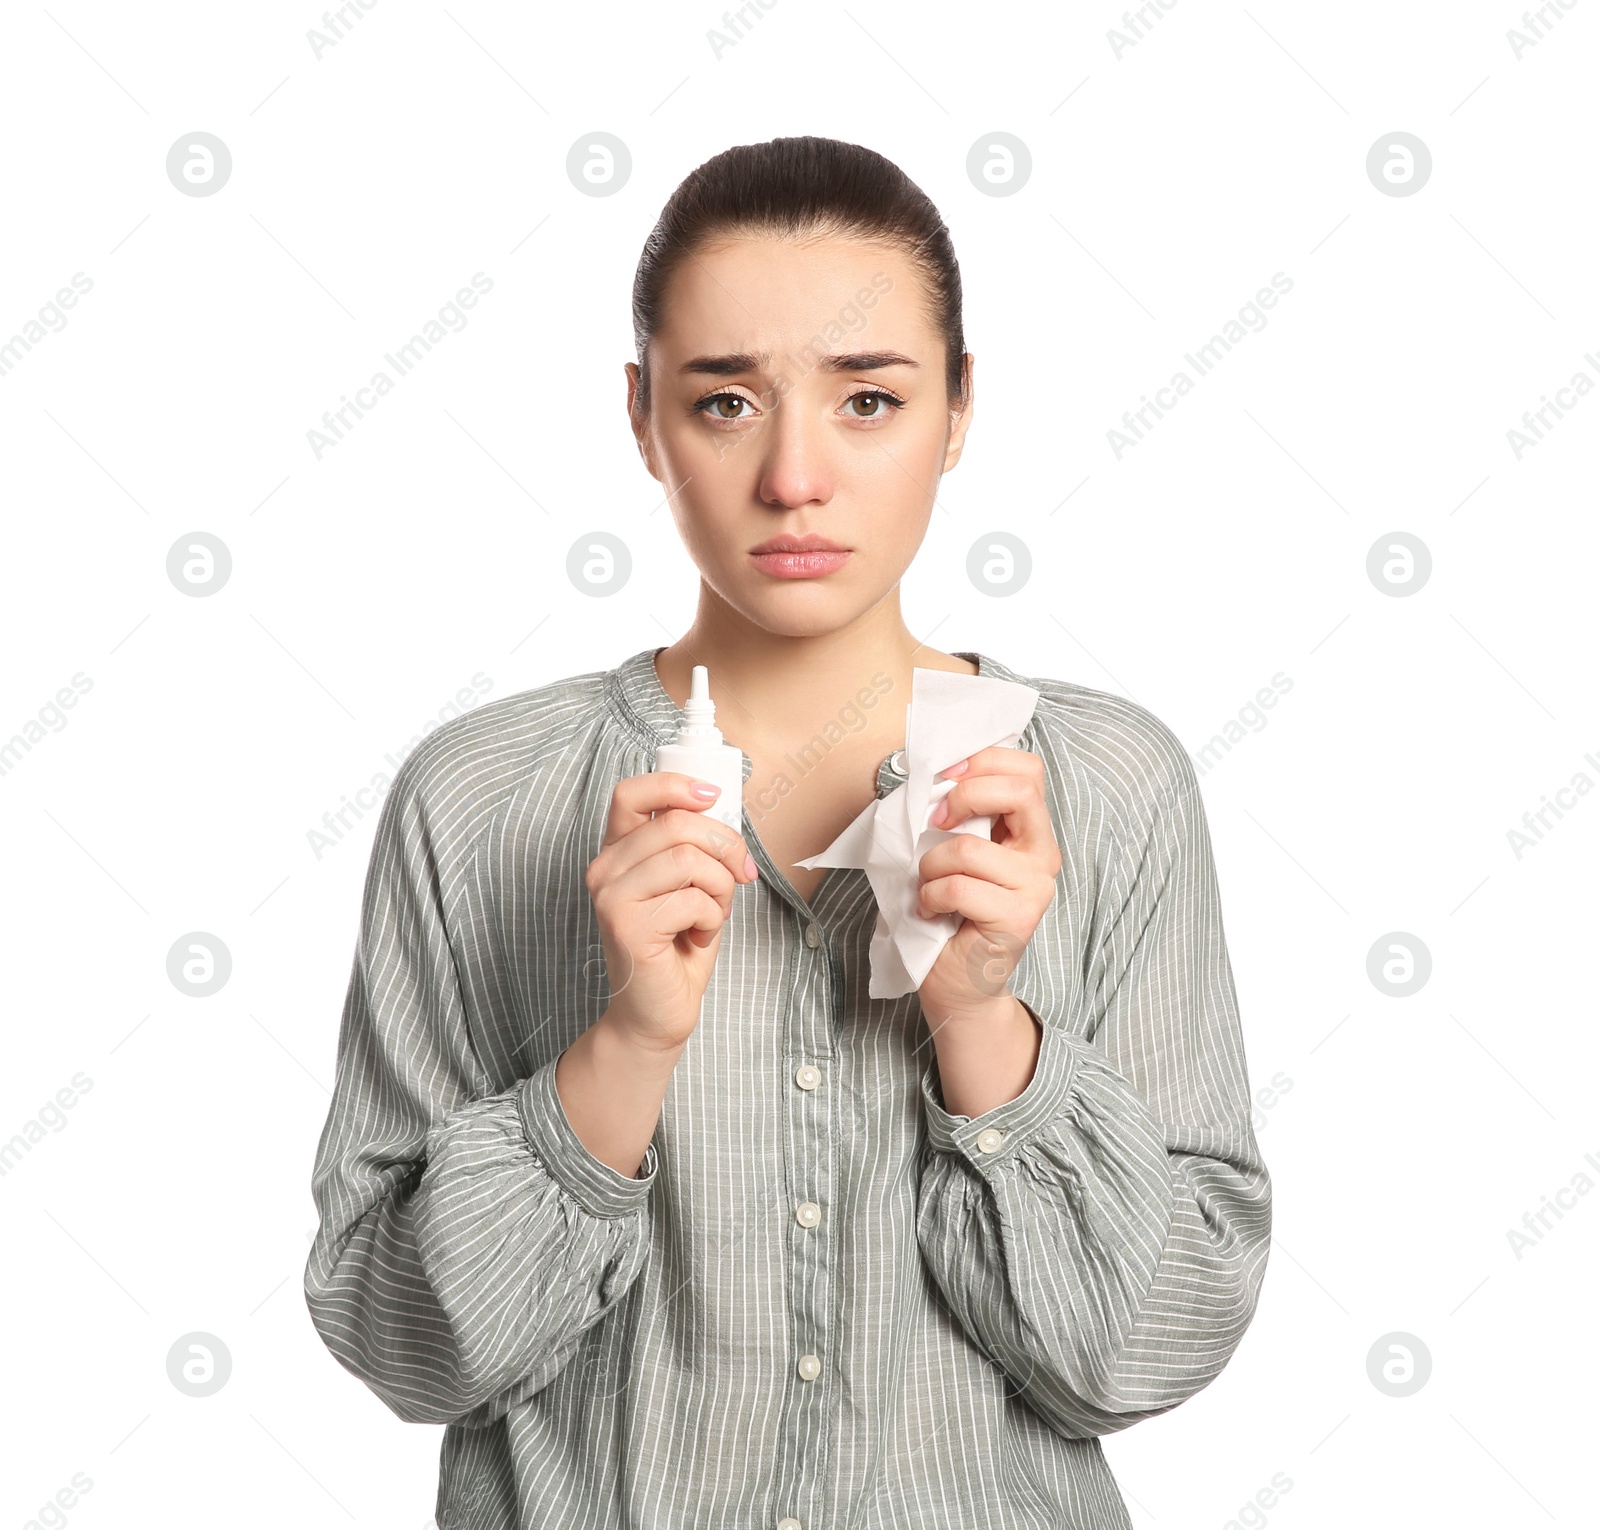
(701, 753)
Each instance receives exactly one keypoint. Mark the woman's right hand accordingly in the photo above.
(662, 888)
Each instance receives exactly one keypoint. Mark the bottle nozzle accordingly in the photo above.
(700, 711)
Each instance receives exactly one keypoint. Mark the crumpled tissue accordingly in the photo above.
(950, 717)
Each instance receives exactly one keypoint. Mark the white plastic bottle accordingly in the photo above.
(701, 753)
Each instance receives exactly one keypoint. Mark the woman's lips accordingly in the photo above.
(799, 565)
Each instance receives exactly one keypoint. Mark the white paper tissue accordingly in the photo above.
(950, 717)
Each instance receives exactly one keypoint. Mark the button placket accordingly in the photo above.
(805, 1443)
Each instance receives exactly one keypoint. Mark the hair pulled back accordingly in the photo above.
(800, 188)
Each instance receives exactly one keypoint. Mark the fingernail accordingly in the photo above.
(750, 866)
(939, 814)
(705, 790)
(954, 770)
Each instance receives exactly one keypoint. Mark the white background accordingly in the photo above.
(1230, 545)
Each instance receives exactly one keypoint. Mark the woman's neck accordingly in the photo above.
(771, 688)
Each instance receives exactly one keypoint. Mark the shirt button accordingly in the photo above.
(807, 1076)
(808, 1213)
(813, 937)
(788, 1522)
(990, 1138)
(897, 762)
(810, 1367)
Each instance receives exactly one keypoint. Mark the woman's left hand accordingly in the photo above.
(1001, 885)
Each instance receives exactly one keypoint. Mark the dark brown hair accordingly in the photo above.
(800, 188)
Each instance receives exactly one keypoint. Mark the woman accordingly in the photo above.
(627, 1179)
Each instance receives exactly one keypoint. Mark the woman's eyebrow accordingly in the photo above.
(732, 364)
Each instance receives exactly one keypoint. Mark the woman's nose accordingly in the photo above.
(795, 468)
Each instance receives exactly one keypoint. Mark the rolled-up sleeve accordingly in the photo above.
(1103, 1236)
(467, 1239)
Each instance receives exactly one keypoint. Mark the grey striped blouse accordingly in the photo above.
(826, 1303)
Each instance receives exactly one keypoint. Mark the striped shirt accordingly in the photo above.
(825, 1303)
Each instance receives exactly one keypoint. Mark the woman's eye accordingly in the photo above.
(723, 406)
(873, 396)
(871, 405)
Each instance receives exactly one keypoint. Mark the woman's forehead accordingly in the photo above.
(768, 296)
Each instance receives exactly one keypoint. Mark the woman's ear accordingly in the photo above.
(639, 422)
(960, 417)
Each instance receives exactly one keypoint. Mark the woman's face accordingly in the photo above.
(799, 389)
